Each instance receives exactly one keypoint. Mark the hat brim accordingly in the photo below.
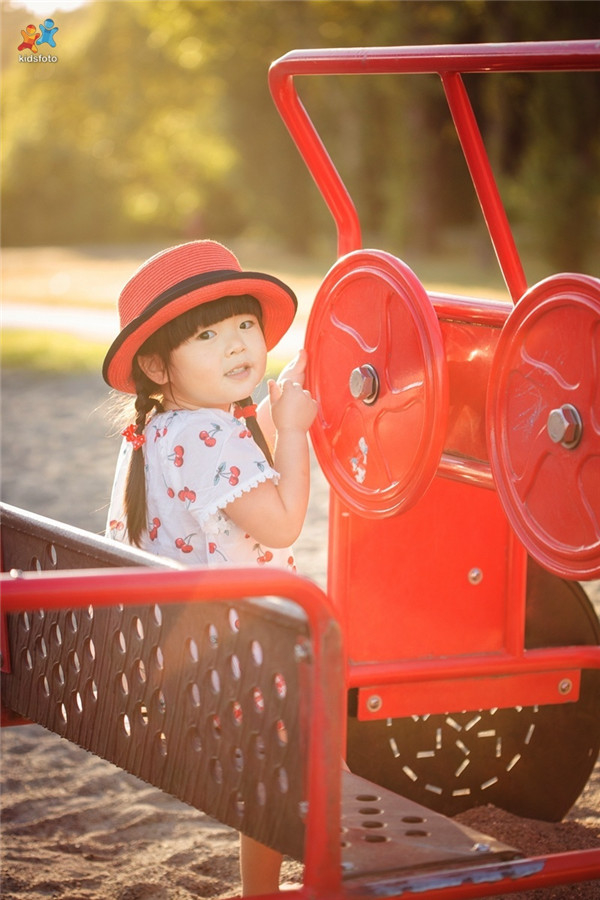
(278, 303)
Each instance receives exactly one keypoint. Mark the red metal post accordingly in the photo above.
(485, 185)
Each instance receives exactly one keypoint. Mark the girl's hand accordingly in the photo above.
(291, 406)
(273, 513)
(295, 370)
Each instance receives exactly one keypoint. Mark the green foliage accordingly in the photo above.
(156, 123)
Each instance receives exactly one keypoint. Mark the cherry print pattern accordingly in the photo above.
(187, 496)
(183, 544)
(117, 529)
(153, 532)
(177, 456)
(159, 432)
(232, 474)
(262, 556)
(208, 437)
(213, 549)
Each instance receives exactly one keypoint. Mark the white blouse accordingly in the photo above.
(196, 463)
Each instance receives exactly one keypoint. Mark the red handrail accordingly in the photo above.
(447, 61)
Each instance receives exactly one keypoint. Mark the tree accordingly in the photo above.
(157, 123)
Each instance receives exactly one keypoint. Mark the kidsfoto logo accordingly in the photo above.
(33, 39)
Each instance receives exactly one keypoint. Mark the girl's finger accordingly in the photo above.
(274, 390)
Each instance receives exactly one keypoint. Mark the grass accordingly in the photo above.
(51, 352)
(455, 269)
(46, 351)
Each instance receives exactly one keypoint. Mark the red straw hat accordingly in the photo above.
(177, 279)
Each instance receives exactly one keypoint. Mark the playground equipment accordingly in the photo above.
(461, 440)
(440, 493)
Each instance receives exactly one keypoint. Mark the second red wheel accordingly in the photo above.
(543, 415)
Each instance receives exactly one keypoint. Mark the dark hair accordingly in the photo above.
(149, 395)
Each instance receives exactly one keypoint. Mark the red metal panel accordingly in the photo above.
(417, 699)
(385, 577)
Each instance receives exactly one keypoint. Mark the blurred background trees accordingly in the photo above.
(156, 123)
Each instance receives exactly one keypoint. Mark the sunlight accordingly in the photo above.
(46, 7)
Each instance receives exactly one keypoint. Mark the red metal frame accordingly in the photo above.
(478, 652)
(448, 62)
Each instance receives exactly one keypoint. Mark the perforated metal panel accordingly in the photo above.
(193, 699)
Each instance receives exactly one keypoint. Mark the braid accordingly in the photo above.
(256, 431)
(135, 488)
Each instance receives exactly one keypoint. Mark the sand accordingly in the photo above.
(74, 826)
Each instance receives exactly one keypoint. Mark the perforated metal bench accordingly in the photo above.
(226, 689)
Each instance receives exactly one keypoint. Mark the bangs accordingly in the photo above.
(217, 310)
(185, 326)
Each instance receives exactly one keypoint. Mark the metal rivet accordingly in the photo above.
(564, 426)
(475, 575)
(481, 848)
(374, 703)
(565, 686)
(364, 384)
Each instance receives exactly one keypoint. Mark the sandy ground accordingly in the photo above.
(74, 826)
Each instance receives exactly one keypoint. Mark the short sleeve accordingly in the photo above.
(209, 462)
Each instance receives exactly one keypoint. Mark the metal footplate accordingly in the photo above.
(387, 840)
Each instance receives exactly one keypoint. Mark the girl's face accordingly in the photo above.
(216, 367)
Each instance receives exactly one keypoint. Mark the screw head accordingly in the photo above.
(565, 426)
(374, 703)
(364, 384)
(565, 686)
(475, 575)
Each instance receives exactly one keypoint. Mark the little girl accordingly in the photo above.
(196, 478)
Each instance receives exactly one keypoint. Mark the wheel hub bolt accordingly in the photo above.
(364, 384)
(565, 426)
